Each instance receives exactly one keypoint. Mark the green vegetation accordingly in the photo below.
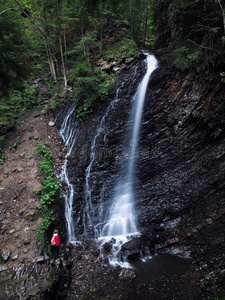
(89, 89)
(194, 31)
(64, 40)
(49, 194)
(16, 104)
(2, 158)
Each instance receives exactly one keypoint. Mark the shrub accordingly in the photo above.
(49, 192)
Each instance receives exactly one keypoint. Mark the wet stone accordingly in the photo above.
(4, 255)
(130, 245)
(107, 247)
(15, 257)
(127, 274)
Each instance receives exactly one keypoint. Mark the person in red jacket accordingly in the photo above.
(55, 242)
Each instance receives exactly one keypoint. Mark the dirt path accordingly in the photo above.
(19, 181)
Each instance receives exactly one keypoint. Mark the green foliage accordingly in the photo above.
(222, 74)
(68, 38)
(13, 46)
(125, 48)
(2, 158)
(191, 59)
(49, 193)
(16, 104)
(88, 90)
(49, 219)
(194, 32)
(90, 85)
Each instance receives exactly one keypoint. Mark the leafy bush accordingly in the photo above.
(15, 105)
(125, 48)
(90, 84)
(45, 161)
(49, 193)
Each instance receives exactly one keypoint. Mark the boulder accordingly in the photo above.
(130, 245)
(15, 257)
(107, 247)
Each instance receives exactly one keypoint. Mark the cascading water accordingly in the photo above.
(68, 131)
(89, 211)
(122, 220)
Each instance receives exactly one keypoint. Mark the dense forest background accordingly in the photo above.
(61, 41)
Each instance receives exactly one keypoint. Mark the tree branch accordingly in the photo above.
(27, 15)
(203, 47)
(223, 11)
(2, 12)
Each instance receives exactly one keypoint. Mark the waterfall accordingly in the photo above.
(122, 220)
(89, 211)
(68, 131)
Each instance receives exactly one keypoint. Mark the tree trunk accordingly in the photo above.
(131, 26)
(146, 21)
(47, 46)
(223, 12)
(101, 32)
(50, 62)
(61, 46)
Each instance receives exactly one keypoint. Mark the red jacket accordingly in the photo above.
(57, 241)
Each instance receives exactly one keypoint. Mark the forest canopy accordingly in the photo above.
(62, 40)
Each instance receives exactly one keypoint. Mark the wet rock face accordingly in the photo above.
(179, 153)
(182, 126)
(180, 171)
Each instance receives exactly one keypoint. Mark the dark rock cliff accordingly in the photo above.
(181, 168)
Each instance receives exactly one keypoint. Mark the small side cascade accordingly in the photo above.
(69, 131)
(89, 211)
(122, 224)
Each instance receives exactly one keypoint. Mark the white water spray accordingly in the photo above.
(68, 131)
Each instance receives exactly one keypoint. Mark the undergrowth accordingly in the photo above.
(49, 193)
(2, 158)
